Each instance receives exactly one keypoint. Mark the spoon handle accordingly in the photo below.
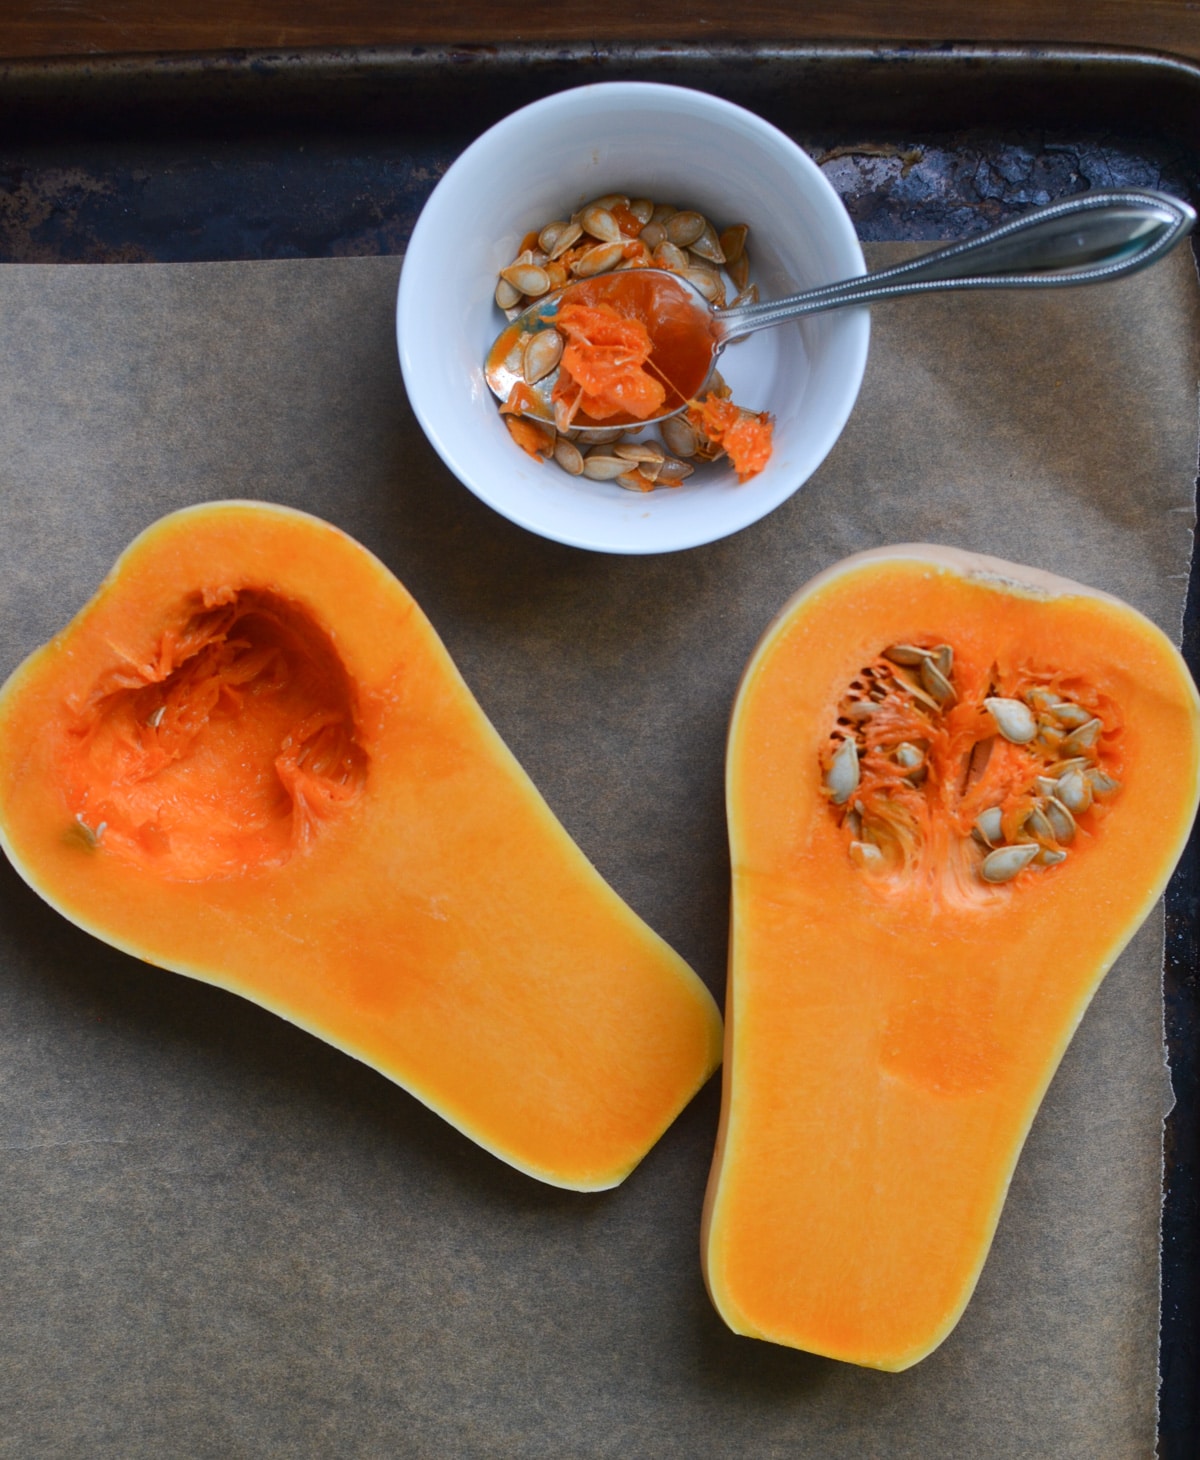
(1081, 240)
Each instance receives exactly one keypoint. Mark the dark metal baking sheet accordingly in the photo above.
(318, 154)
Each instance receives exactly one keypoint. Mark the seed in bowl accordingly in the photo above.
(620, 349)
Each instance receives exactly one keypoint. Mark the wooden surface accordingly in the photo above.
(30, 28)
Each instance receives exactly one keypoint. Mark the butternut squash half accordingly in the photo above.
(955, 788)
(251, 760)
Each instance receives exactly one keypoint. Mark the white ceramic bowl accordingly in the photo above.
(673, 145)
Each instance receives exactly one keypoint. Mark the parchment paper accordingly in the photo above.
(219, 1237)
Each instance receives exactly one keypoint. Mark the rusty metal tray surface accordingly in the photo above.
(319, 154)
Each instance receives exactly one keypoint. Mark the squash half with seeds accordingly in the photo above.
(955, 788)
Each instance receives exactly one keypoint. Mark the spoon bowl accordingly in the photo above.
(505, 366)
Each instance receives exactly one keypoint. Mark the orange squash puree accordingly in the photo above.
(629, 223)
(603, 369)
(224, 750)
(531, 436)
(746, 439)
(669, 340)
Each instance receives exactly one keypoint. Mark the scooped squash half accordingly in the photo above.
(955, 789)
(251, 760)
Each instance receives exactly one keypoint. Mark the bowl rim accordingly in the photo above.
(854, 322)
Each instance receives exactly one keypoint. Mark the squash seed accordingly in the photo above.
(635, 481)
(1083, 738)
(600, 223)
(652, 235)
(707, 245)
(507, 296)
(683, 229)
(1102, 783)
(1037, 824)
(679, 435)
(916, 689)
(707, 282)
(670, 256)
(908, 755)
(1041, 698)
(1074, 791)
(541, 355)
(1060, 819)
(568, 456)
(640, 451)
(988, 827)
(530, 279)
(567, 238)
(550, 235)
(1069, 716)
(739, 272)
(672, 472)
(1061, 767)
(733, 241)
(603, 466)
(90, 836)
(1004, 863)
(598, 260)
(608, 201)
(1050, 738)
(936, 683)
(907, 654)
(842, 777)
(1013, 719)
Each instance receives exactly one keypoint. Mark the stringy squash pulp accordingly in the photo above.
(956, 787)
(251, 760)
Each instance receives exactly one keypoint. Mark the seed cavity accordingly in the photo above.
(1022, 773)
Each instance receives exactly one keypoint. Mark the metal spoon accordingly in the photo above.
(1084, 239)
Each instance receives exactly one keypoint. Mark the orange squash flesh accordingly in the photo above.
(893, 1020)
(250, 759)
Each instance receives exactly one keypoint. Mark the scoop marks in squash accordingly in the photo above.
(250, 759)
(955, 789)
